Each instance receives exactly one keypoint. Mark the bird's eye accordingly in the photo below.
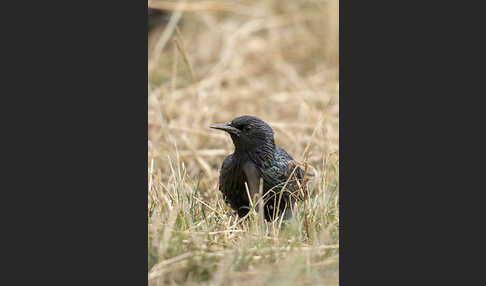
(247, 128)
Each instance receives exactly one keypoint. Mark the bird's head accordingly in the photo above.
(249, 134)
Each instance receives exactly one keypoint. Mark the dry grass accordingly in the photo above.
(273, 59)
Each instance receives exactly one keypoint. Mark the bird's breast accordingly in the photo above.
(252, 177)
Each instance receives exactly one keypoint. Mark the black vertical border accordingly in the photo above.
(79, 141)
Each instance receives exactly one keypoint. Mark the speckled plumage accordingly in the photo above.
(255, 157)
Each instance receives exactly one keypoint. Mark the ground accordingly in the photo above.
(276, 60)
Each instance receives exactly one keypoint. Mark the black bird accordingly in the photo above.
(255, 157)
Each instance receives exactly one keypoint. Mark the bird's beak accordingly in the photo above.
(225, 127)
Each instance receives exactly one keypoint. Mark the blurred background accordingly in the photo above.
(211, 61)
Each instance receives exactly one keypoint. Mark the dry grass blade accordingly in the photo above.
(204, 165)
(180, 46)
(157, 270)
(201, 6)
(174, 19)
(208, 206)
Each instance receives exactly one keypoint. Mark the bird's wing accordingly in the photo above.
(286, 165)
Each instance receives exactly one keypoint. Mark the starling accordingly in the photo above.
(255, 157)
